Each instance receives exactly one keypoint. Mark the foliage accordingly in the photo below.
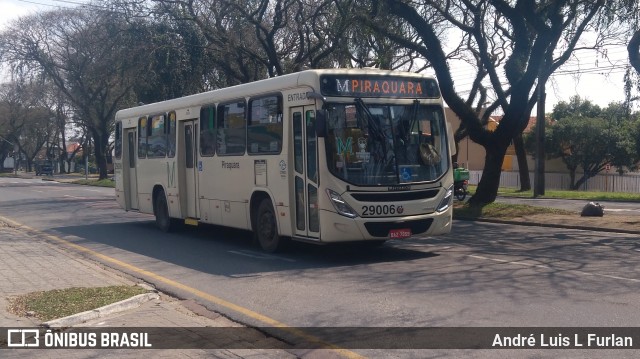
(102, 60)
(27, 123)
(577, 107)
(96, 183)
(587, 137)
(524, 40)
(582, 195)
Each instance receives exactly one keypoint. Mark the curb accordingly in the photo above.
(117, 307)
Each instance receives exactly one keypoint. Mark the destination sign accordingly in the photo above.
(378, 86)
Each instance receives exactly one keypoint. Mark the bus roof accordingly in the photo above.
(270, 85)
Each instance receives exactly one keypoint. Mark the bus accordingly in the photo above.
(320, 156)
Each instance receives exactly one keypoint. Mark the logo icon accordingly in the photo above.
(23, 338)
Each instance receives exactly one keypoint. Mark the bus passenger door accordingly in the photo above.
(130, 176)
(305, 153)
(191, 168)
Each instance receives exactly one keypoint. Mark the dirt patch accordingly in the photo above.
(609, 221)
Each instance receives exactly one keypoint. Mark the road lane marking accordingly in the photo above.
(75, 197)
(548, 267)
(209, 297)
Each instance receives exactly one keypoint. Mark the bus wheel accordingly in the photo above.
(163, 221)
(266, 230)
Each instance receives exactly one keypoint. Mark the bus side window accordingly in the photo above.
(157, 140)
(207, 130)
(171, 135)
(264, 132)
(188, 145)
(142, 137)
(231, 128)
(118, 142)
(132, 145)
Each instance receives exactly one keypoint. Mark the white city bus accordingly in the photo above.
(320, 156)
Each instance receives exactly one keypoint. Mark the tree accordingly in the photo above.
(252, 40)
(528, 40)
(87, 53)
(576, 107)
(585, 136)
(26, 124)
(590, 143)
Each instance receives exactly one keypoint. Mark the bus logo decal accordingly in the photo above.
(344, 87)
(343, 148)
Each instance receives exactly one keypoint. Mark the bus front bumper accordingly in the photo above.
(344, 229)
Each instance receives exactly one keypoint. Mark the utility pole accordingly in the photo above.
(538, 177)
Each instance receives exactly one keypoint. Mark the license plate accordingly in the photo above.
(399, 233)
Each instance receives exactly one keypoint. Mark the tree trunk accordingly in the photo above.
(100, 141)
(582, 181)
(523, 166)
(572, 178)
(487, 190)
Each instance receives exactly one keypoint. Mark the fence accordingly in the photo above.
(560, 181)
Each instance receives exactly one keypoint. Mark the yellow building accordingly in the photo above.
(471, 155)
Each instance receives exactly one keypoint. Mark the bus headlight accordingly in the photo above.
(340, 205)
(446, 201)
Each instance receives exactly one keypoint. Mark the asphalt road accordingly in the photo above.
(482, 274)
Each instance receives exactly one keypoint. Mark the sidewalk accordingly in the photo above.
(30, 264)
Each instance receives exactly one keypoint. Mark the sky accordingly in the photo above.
(600, 82)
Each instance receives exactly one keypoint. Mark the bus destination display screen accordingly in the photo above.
(378, 86)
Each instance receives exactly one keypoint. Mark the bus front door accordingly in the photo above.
(305, 152)
(129, 168)
(191, 169)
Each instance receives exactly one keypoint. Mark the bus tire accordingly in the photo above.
(266, 230)
(161, 211)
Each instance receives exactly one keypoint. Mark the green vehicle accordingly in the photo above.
(460, 182)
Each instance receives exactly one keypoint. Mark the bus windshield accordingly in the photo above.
(383, 144)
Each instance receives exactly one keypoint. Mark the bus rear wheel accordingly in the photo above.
(161, 211)
(266, 230)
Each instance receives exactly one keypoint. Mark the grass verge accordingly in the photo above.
(98, 183)
(60, 303)
(585, 195)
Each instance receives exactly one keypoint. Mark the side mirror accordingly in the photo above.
(321, 123)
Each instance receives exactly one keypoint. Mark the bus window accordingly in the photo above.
(207, 131)
(297, 143)
(118, 142)
(188, 145)
(231, 128)
(390, 146)
(171, 135)
(310, 121)
(264, 132)
(142, 137)
(157, 141)
(132, 145)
